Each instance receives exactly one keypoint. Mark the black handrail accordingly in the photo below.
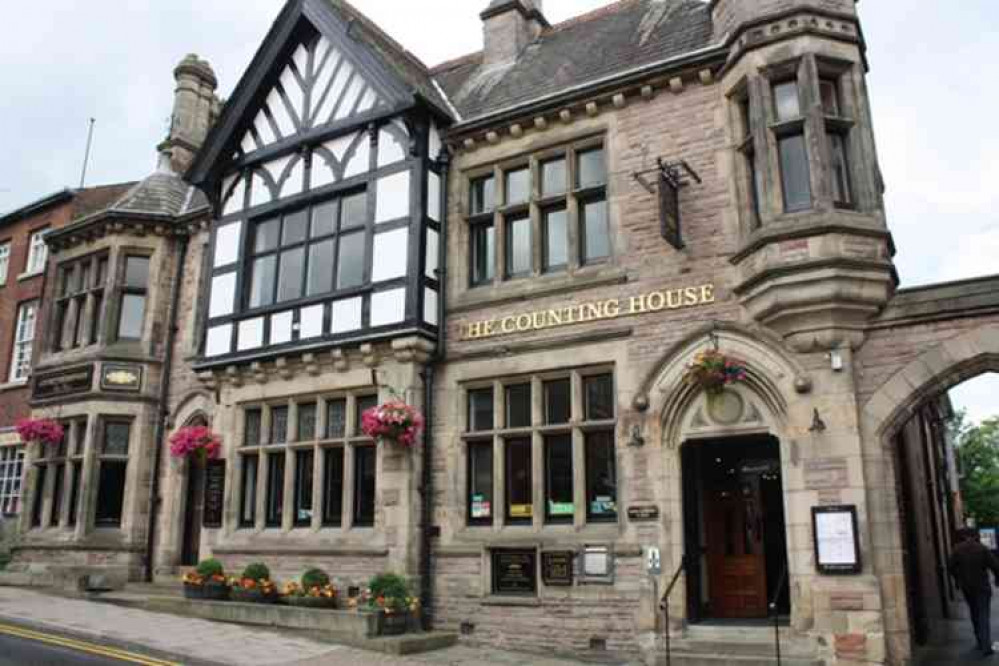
(664, 605)
(776, 615)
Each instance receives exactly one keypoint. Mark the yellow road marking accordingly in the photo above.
(80, 646)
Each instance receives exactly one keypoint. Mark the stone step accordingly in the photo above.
(796, 650)
(705, 659)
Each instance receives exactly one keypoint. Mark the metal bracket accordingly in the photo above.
(676, 172)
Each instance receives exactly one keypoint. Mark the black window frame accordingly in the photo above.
(365, 505)
(555, 474)
(248, 491)
(274, 489)
(303, 490)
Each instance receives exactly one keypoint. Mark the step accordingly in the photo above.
(689, 659)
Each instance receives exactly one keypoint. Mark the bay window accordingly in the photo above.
(80, 299)
(132, 303)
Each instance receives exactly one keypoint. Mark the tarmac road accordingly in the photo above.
(25, 647)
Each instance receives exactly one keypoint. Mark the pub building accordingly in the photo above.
(533, 244)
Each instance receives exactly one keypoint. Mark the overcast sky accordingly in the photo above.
(932, 81)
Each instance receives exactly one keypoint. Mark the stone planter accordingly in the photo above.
(393, 624)
(207, 592)
(254, 596)
(330, 603)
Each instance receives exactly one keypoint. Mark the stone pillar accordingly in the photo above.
(195, 108)
(508, 26)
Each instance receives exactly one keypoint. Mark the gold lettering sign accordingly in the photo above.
(614, 308)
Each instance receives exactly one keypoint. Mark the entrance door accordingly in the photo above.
(194, 507)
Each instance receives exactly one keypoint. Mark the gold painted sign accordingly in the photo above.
(612, 308)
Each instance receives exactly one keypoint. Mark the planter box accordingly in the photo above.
(392, 624)
(322, 603)
(209, 592)
(254, 596)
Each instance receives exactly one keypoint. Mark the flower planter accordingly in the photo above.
(207, 591)
(329, 603)
(393, 624)
(254, 596)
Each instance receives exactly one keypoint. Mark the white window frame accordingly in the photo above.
(24, 338)
(4, 261)
(38, 253)
(11, 479)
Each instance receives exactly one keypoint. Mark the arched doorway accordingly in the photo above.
(194, 504)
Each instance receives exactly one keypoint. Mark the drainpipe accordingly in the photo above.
(427, 530)
(164, 412)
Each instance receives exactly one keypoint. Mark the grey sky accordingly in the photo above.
(933, 68)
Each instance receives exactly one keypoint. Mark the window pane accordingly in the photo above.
(364, 479)
(480, 410)
(354, 211)
(829, 91)
(794, 172)
(248, 492)
(786, 100)
(480, 483)
(136, 272)
(596, 240)
(290, 281)
(279, 425)
(333, 488)
(350, 267)
(553, 177)
(262, 281)
(324, 219)
(266, 237)
(599, 397)
(591, 170)
(116, 439)
(110, 493)
(321, 268)
(518, 186)
(303, 488)
(59, 470)
(518, 246)
(363, 404)
(39, 498)
(518, 406)
(519, 507)
(251, 427)
(133, 308)
(74, 492)
(275, 489)
(556, 239)
(557, 401)
(483, 195)
(559, 503)
(840, 169)
(307, 422)
(601, 477)
(296, 226)
(483, 253)
(336, 419)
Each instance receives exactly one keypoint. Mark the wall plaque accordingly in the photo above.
(515, 571)
(214, 493)
(63, 382)
(556, 567)
(116, 377)
(643, 513)
(837, 546)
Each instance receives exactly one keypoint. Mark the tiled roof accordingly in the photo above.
(162, 193)
(90, 200)
(611, 40)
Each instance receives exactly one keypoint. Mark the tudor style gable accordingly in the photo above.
(324, 172)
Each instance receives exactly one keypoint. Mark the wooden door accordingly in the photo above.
(194, 507)
(737, 581)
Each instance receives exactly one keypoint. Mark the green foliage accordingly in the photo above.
(210, 567)
(391, 589)
(978, 449)
(257, 571)
(315, 578)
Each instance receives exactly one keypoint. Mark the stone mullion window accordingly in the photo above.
(113, 452)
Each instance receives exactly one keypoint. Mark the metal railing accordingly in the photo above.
(775, 612)
(664, 606)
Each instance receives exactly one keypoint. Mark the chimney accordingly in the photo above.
(195, 108)
(508, 27)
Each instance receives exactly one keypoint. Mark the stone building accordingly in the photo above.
(532, 244)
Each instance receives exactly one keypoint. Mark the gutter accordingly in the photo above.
(164, 412)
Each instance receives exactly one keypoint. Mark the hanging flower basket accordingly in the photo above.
(394, 421)
(713, 371)
(43, 431)
(195, 441)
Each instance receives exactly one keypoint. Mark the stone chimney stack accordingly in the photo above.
(195, 109)
(508, 27)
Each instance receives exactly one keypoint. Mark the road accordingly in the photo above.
(24, 647)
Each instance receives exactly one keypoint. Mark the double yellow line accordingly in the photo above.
(80, 646)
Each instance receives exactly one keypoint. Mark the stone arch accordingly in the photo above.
(196, 403)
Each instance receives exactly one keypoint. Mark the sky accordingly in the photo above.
(933, 69)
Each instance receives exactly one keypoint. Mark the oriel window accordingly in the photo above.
(132, 306)
(791, 148)
(79, 302)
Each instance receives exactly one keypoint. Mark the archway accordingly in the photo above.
(194, 503)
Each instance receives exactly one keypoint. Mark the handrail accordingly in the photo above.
(776, 615)
(664, 605)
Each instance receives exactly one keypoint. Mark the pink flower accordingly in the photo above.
(198, 440)
(44, 431)
(395, 421)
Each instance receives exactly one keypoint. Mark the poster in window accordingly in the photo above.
(837, 547)
(481, 507)
(521, 510)
(214, 493)
(603, 505)
(669, 211)
(561, 508)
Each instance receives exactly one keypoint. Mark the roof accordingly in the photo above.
(85, 201)
(611, 40)
(163, 193)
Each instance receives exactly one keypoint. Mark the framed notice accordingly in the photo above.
(556, 567)
(214, 493)
(837, 543)
(515, 571)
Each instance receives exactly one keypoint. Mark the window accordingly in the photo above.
(113, 468)
(24, 336)
(791, 148)
(38, 253)
(309, 252)
(132, 308)
(567, 440)
(76, 433)
(80, 298)
(11, 477)
(38, 502)
(748, 150)
(557, 204)
(327, 443)
(837, 136)
(4, 262)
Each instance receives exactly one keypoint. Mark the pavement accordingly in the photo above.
(954, 645)
(200, 642)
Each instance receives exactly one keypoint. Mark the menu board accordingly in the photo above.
(214, 493)
(515, 571)
(837, 548)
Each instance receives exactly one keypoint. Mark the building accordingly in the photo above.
(533, 244)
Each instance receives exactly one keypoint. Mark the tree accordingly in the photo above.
(978, 449)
